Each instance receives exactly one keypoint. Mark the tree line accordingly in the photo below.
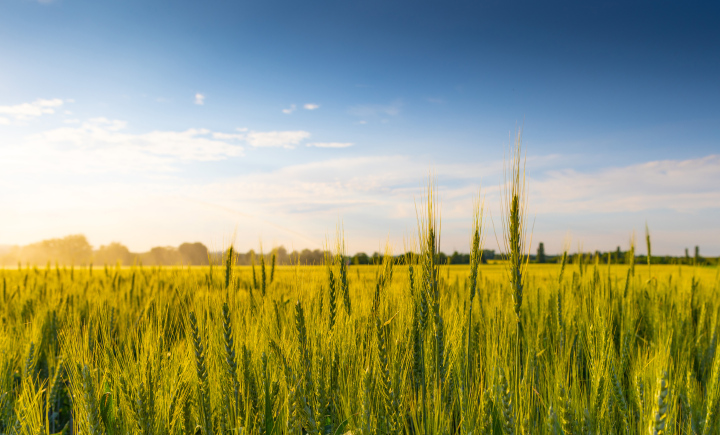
(618, 256)
(76, 250)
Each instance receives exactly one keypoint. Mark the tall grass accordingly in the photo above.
(515, 236)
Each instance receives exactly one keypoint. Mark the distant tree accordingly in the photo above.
(113, 253)
(541, 253)
(456, 258)
(282, 255)
(488, 254)
(697, 254)
(161, 256)
(305, 257)
(361, 258)
(309, 257)
(687, 256)
(410, 257)
(195, 254)
(75, 249)
(69, 250)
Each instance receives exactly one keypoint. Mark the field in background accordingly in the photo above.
(214, 350)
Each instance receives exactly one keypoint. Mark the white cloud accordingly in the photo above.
(330, 144)
(385, 184)
(680, 185)
(376, 195)
(101, 145)
(299, 205)
(311, 106)
(27, 111)
(285, 139)
(373, 110)
(290, 110)
(228, 136)
(4, 121)
(199, 99)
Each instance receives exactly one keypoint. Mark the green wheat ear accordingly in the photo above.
(386, 379)
(272, 267)
(332, 305)
(514, 207)
(228, 266)
(649, 249)
(263, 276)
(631, 255)
(567, 418)
(54, 395)
(475, 259)
(202, 375)
(713, 397)
(506, 406)
(92, 411)
(660, 418)
(231, 359)
(254, 276)
(29, 367)
(367, 382)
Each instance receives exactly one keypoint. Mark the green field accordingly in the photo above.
(157, 351)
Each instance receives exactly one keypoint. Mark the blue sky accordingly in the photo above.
(158, 122)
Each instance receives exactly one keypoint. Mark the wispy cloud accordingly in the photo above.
(374, 195)
(289, 110)
(679, 185)
(382, 186)
(102, 145)
(311, 106)
(199, 99)
(383, 190)
(27, 111)
(284, 139)
(373, 110)
(330, 144)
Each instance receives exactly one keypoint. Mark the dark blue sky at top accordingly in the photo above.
(634, 78)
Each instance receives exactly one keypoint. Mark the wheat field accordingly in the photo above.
(360, 349)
